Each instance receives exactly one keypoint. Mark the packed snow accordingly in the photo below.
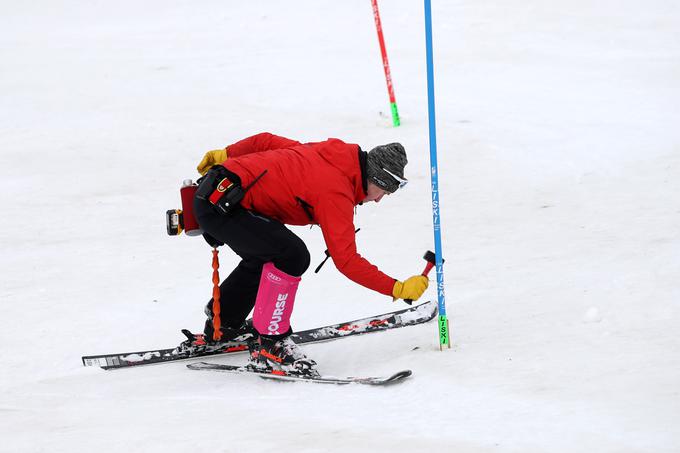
(559, 156)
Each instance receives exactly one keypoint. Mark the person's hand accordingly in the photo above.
(412, 288)
(211, 158)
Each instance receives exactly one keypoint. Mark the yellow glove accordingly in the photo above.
(412, 288)
(212, 158)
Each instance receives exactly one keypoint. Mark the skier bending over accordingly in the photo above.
(250, 190)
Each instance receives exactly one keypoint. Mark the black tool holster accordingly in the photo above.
(221, 188)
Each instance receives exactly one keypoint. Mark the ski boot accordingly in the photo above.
(279, 355)
(242, 333)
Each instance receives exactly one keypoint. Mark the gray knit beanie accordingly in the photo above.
(383, 160)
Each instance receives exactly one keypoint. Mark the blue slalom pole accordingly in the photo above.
(444, 338)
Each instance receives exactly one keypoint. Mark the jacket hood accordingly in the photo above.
(348, 163)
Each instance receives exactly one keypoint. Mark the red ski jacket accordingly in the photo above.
(311, 183)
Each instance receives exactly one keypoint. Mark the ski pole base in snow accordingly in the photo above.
(444, 338)
(395, 114)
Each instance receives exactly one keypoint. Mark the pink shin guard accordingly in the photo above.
(274, 302)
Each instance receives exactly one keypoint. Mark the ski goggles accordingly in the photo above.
(401, 181)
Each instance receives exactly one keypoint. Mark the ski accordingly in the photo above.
(371, 380)
(407, 317)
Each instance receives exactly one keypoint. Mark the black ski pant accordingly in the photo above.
(257, 239)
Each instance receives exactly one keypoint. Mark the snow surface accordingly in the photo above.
(559, 152)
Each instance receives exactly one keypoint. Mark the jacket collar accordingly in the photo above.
(363, 155)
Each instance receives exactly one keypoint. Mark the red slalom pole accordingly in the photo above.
(386, 65)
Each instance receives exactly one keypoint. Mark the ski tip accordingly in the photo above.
(198, 365)
(401, 374)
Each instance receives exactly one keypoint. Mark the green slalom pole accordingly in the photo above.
(444, 337)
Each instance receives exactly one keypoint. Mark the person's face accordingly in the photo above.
(374, 193)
